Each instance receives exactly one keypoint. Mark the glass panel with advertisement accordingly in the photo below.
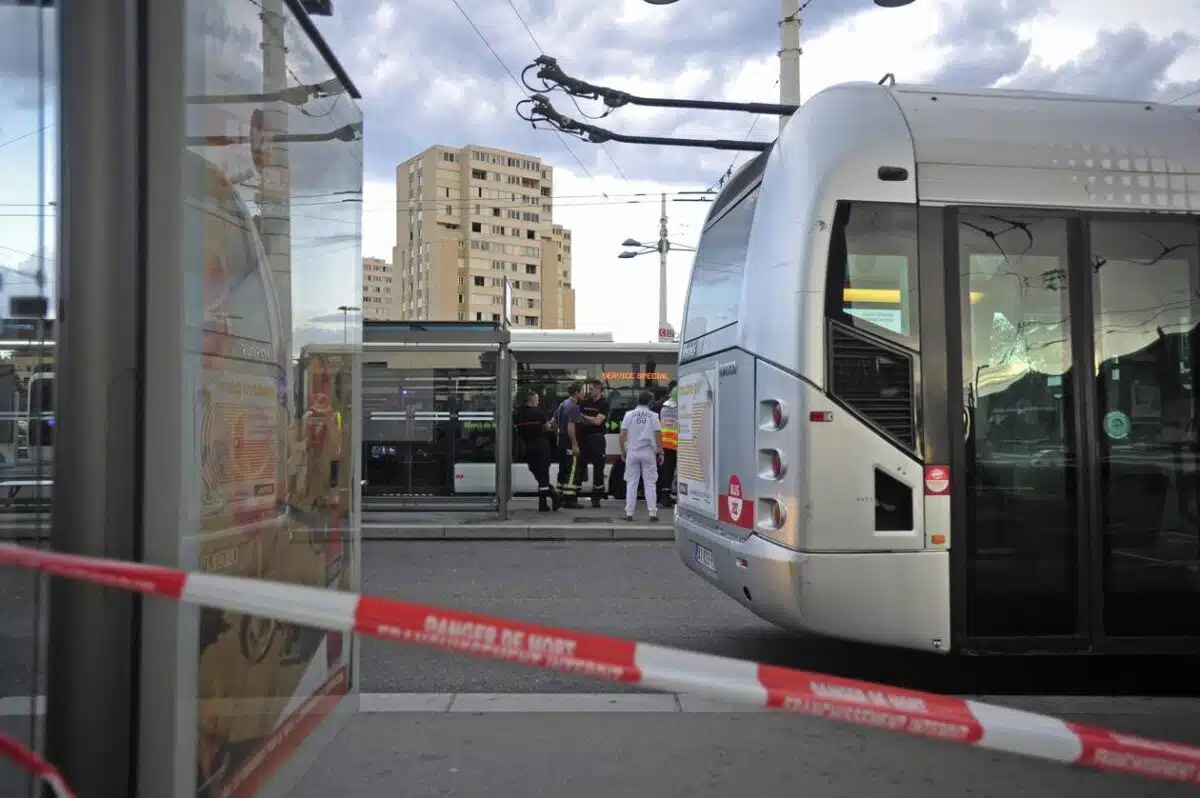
(28, 160)
(273, 176)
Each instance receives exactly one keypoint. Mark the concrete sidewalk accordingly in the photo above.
(628, 752)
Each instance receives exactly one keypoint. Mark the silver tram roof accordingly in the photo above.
(989, 148)
(1000, 146)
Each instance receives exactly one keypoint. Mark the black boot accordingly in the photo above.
(555, 499)
(544, 501)
(596, 495)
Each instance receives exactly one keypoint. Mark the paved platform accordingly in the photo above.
(524, 523)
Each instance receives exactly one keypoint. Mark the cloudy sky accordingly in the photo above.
(437, 72)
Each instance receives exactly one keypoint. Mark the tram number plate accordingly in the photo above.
(705, 558)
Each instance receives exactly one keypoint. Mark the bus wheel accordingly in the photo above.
(255, 637)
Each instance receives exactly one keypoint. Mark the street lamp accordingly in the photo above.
(789, 47)
(662, 247)
(346, 311)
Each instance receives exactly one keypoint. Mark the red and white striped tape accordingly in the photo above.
(672, 670)
(29, 761)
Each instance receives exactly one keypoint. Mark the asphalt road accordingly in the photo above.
(641, 591)
(631, 590)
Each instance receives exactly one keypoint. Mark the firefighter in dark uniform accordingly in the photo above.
(595, 411)
(533, 430)
(567, 423)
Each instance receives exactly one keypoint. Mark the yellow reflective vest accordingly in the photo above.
(668, 417)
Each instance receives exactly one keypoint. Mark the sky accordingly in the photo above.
(438, 72)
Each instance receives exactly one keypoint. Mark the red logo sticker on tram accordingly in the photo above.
(734, 508)
(937, 480)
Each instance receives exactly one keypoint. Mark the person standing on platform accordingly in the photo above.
(567, 421)
(594, 442)
(533, 430)
(668, 418)
(642, 451)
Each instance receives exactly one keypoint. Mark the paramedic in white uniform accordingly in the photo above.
(642, 451)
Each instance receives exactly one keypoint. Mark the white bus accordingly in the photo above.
(883, 432)
(431, 416)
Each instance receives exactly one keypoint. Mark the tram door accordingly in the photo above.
(1079, 348)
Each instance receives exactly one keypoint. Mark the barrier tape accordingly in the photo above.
(27, 760)
(734, 681)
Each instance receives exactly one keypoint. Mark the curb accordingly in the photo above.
(483, 532)
(629, 532)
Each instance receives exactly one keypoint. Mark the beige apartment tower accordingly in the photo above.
(466, 219)
(377, 298)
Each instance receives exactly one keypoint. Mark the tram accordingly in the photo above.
(431, 428)
(937, 375)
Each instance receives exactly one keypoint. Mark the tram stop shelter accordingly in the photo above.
(438, 404)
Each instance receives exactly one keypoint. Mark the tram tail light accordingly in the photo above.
(774, 516)
(771, 465)
(772, 416)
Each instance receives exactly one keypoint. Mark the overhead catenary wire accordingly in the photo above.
(518, 83)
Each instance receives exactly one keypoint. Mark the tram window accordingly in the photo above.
(716, 288)
(872, 282)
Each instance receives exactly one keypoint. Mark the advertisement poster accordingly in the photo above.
(696, 474)
(273, 437)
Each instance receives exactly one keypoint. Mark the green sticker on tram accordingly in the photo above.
(1116, 425)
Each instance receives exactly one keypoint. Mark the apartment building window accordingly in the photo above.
(497, 281)
(532, 285)
(513, 180)
(479, 174)
(495, 317)
(531, 303)
(478, 316)
(531, 235)
(496, 212)
(516, 284)
(497, 230)
(545, 191)
(496, 177)
(461, 316)
(530, 268)
(476, 227)
(531, 321)
(497, 300)
(448, 157)
(547, 208)
(478, 192)
(477, 281)
(516, 232)
(449, 210)
(460, 299)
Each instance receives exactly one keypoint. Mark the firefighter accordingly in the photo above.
(668, 416)
(532, 429)
(567, 421)
(594, 440)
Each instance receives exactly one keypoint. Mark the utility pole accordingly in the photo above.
(789, 56)
(664, 246)
(274, 176)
